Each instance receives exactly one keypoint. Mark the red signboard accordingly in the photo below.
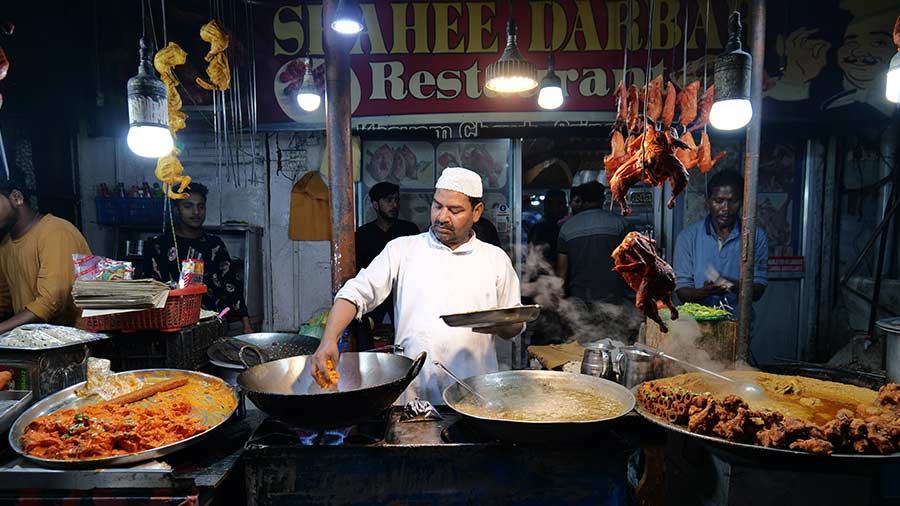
(786, 264)
(423, 62)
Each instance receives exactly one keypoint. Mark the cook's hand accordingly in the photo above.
(326, 351)
(805, 56)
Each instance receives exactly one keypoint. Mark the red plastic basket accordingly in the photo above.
(182, 310)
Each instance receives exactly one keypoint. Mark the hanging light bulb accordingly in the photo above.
(308, 97)
(731, 109)
(148, 114)
(551, 94)
(347, 18)
(892, 89)
(511, 73)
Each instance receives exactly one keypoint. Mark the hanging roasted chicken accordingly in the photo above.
(7, 28)
(165, 61)
(218, 70)
(651, 278)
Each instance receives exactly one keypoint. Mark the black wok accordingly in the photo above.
(370, 382)
(496, 385)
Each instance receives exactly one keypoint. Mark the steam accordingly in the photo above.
(579, 321)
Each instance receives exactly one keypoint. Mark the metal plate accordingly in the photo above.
(748, 448)
(889, 325)
(490, 317)
(12, 404)
(89, 337)
(65, 399)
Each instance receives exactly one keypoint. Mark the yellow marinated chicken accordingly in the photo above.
(218, 70)
(165, 60)
(170, 172)
(219, 74)
(213, 34)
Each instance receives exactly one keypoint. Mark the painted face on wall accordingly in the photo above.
(865, 53)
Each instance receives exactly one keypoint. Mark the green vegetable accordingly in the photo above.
(702, 311)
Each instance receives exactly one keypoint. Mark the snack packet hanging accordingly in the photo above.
(113, 270)
(191, 273)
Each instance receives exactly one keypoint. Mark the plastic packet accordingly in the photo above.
(85, 265)
(113, 270)
(191, 273)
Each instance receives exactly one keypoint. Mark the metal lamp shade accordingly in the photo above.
(147, 101)
(512, 73)
(732, 76)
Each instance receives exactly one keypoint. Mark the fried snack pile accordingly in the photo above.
(218, 70)
(106, 430)
(327, 379)
(873, 428)
(651, 278)
(165, 61)
(653, 151)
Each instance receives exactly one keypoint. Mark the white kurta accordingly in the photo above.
(429, 280)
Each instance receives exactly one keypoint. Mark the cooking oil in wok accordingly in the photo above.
(543, 402)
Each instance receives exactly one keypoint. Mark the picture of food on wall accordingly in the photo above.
(407, 164)
(490, 159)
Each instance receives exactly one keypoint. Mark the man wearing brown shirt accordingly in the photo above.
(36, 272)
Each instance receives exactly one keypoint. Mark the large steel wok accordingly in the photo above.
(524, 383)
(370, 382)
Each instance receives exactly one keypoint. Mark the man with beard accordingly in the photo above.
(36, 271)
(708, 252)
(445, 270)
(371, 239)
(163, 255)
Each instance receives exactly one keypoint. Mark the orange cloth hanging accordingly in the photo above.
(310, 218)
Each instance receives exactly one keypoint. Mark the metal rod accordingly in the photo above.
(337, 132)
(871, 242)
(462, 383)
(751, 173)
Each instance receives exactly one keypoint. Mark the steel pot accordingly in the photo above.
(891, 327)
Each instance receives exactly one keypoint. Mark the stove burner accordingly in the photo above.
(274, 432)
(331, 437)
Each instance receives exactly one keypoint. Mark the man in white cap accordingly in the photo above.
(445, 270)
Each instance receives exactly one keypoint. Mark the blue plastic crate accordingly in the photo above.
(129, 211)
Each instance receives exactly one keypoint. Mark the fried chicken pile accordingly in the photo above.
(872, 429)
(653, 151)
(218, 70)
(651, 278)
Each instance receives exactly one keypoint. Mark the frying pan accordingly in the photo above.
(494, 385)
(370, 382)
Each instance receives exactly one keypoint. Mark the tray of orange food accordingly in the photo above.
(165, 411)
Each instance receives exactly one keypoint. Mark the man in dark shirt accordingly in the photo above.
(586, 242)
(225, 285)
(485, 231)
(545, 233)
(372, 237)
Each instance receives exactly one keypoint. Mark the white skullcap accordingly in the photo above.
(461, 180)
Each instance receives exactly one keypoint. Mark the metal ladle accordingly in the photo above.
(484, 400)
(745, 389)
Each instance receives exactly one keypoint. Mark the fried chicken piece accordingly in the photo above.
(773, 437)
(213, 34)
(706, 103)
(703, 421)
(813, 445)
(632, 171)
(328, 378)
(617, 157)
(668, 167)
(654, 98)
(649, 276)
(704, 154)
(734, 403)
(878, 438)
(166, 59)
(687, 103)
(4, 64)
(689, 156)
(668, 112)
(169, 171)
(889, 395)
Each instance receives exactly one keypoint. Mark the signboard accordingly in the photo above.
(786, 264)
(423, 62)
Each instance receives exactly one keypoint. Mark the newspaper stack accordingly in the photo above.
(105, 297)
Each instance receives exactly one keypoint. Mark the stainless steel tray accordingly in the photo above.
(12, 404)
(88, 339)
(65, 399)
(490, 317)
(748, 449)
